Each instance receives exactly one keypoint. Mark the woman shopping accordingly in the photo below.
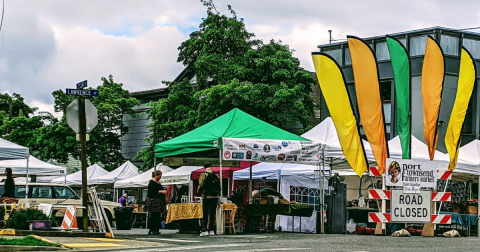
(155, 203)
(9, 188)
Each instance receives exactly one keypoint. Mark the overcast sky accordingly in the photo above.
(53, 44)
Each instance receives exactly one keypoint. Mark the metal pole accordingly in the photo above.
(221, 172)
(322, 191)
(27, 203)
(154, 163)
(478, 205)
(83, 141)
(250, 184)
(384, 205)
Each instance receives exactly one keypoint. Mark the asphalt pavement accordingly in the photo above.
(170, 240)
(137, 240)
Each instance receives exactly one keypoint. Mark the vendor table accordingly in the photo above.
(464, 220)
(190, 211)
(140, 218)
(258, 210)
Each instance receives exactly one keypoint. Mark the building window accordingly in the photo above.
(336, 54)
(449, 44)
(382, 51)
(305, 195)
(418, 45)
(473, 46)
(348, 59)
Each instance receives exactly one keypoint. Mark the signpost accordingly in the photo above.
(82, 117)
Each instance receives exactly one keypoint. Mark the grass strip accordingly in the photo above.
(27, 241)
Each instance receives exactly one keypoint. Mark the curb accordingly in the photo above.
(27, 248)
(47, 241)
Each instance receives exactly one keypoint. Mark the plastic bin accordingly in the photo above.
(123, 217)
(41, 224)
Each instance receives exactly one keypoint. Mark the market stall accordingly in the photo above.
(75, 179)
(182, 185)
(234, 137)
(36, 167)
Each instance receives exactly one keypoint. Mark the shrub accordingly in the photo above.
(20, 218)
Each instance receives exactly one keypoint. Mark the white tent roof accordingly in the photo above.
(326, 134)
(274, 170)
(35, 167)
(141, 180)
(75, 179)
(179, 176)
(9, 150)
(125, 171)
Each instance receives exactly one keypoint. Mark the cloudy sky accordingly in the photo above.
(52, 44)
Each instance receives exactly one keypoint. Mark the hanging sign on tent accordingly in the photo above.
(411, 173)
(264, 150)
(195, 161)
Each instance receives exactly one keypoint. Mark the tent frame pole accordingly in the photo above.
(27, 203)
(221, 172)
(322, 191)
(250, 185)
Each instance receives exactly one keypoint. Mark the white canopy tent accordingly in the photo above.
(9, 150)
(35, 167)
(75, 179)
(274, 170)
(142, 179)
(125, 171)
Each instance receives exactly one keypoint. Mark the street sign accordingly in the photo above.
(91, 114)
(82, 84)
(411, 208)
(82, 92)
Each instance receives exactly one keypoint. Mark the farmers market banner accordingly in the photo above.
(411, 173)
(273, 151)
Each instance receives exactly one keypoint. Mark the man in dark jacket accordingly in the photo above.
(209, 188)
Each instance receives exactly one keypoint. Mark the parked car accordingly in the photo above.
(57, 194)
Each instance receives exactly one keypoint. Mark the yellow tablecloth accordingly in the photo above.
(186, 211)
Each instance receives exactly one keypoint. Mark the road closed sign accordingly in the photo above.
(411, 208)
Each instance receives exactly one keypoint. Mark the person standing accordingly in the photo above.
(9, 187)
(155, 203)
(209, 188)
(123, 200)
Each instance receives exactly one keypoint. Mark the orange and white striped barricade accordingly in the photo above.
(441, 196)
(441, 219)
(444, 174)
(379, 194)
(69, 217)
(379, 217)
(373, 171)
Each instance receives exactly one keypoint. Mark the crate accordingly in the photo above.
(41, 224)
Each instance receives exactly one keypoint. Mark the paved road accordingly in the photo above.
(170, 241)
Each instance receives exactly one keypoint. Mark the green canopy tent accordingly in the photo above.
(208, 138)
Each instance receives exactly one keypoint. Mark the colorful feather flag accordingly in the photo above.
(466, 82)
(433, 73)
(334, 90)
(401, 75)
(369, 102)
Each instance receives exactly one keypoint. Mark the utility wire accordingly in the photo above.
(3, 12)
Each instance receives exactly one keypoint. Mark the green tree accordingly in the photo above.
(58, 140)
(232, 70)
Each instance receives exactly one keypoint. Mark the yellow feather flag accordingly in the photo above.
(466, 82)
(433, 72)
(369, 102)
(334, 90)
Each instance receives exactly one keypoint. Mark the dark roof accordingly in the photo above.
(148, 92)
(424, 30)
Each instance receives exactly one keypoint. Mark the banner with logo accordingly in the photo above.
(196, 161)
(411, 173)
(273, 151)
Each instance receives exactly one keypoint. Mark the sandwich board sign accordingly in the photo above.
(411, 208)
